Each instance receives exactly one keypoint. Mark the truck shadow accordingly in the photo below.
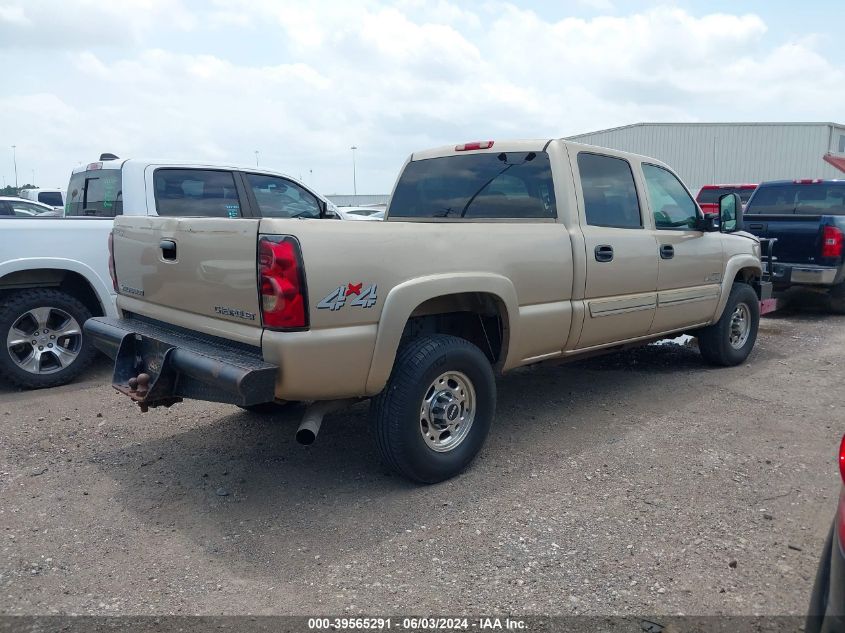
(241, 489)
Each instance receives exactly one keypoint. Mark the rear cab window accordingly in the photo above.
(53, 198)
(711, 195)
(196, 193)
(822, 198)
(507, 185)
(95, 193)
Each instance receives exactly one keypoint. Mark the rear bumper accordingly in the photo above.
(180, 364)
(785, 274)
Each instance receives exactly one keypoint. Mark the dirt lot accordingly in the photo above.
(644, 482)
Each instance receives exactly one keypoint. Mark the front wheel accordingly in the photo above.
(433, 416)
(729, 341)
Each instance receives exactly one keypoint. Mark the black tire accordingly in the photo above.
(395, 412)
(821, 587)
(14, 308)
(269, 408)
(837, 299)
(714, 341)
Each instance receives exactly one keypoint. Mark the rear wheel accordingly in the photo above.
(837, 299)
(43, 342)
(433, 416)
(729, 341)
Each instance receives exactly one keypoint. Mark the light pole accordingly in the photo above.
(256, 158)
(354, 178)
(15, 161)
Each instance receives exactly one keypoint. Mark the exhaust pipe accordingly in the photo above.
(313, 418)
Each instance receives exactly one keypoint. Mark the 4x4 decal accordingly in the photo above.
(364, 297)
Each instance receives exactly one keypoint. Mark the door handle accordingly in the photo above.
(168, 249)
(757, 227)
(604, 253)
(667, 251)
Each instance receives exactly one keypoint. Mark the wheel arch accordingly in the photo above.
(740, 268)
(74, 278)
(419, 299)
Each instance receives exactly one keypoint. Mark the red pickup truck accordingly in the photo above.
(708, 196)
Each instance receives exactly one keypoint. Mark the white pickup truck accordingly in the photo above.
(54, 272)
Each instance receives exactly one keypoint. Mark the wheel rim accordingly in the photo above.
(44, 340)
(447, 412)
(740, 325)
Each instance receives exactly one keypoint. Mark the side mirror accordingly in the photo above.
(730, 213)
(327, 212)
(706, 223)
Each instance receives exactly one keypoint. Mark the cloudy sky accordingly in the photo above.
(303, 82)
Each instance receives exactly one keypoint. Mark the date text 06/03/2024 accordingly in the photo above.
(418, 624)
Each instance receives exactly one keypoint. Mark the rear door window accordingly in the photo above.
(610, 196)
(503, 185)
(282, 198)
(95, 193)
(196, 193)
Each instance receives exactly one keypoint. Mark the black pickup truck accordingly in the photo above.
(807, 218)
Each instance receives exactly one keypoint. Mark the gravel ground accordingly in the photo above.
(642, 482)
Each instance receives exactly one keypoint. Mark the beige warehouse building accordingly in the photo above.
(714, 153)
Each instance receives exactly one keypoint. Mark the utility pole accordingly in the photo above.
(354, 178)
(15, 161)
(256, 158)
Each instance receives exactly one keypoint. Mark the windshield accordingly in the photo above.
(53, 198)
(504, 185)
(823, 198)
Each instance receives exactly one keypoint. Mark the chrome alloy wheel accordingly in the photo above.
(740, 326)
(448, 410)
(44, 340)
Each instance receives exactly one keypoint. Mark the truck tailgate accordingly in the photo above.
(798, 236)
(189, 266)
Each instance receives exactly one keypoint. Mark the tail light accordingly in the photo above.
(112, 270)
(842, 459)
(831, 242)
(841, 511)
(281, 283)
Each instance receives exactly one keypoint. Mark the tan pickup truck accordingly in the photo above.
(494, 255)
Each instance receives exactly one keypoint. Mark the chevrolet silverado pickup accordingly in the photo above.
(54, 272)
(807, 220)
(493, 255)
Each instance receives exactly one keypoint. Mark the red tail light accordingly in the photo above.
(842, 459)
(476, 145)
(831, 242)
(841, 511)
(281, 283)
(112, 270)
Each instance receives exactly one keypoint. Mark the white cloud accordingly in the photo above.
(302, 83)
